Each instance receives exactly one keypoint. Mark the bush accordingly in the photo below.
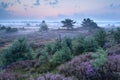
(116, 35)
(50, 76)
(9, 29)
(2, 27)
(80, 67)
(19, 50)
(90, 45)
(43, 26)
(83, 44)
(93, 66)
(68, 43)
(101, 37)
(57, 45)
(45, 57)
(99, 58)
(49, 49)
(78, 45)
(62, 56)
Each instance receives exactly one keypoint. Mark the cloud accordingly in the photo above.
(37, 2)
(3, 12)
(113, 5)
(19, 1)
(53, 2)
(4, 5)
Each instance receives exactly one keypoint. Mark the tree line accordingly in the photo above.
(69, 24)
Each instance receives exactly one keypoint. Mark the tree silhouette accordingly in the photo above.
(68, 23)
(43, 26)
(89, 23)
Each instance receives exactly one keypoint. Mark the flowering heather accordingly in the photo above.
(50, 76)
(114, 50)
(79, 67)
(7, 76)
(113, 63)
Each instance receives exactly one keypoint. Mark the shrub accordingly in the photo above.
(2, 27)
(9, 29)
(80, 67)
(57, 45)
(19, 50)
(99, 58)
(83, 44)
(83, 68)
(50, 76)
(78, 45)
(62, 56)
(49, 49)
(43, 26)
(90, 45)
(101, 37)
(68, 43)
(45, 57)
(116, 35)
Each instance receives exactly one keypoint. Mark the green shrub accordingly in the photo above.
(116, 35)
(62, 56)
(83, 44)
(90, 45)
(19, 50)
(99, 57)
(68, 43)
(49, 49)
(101, 37)
(45, 57)
(57, 45)
(78, 45)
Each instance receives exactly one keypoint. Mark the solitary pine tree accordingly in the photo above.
(18, 51)
(43, 26)
(68, 23)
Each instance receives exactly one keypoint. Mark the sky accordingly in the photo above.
(60, 9)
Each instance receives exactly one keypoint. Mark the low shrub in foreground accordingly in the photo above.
(62, 56)
(50, 76)
(18, 51)
(101, 37)
(83, 68)
(82, 44)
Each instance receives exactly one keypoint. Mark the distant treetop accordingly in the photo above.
(68, 23)
(43, 26)
(89, 23)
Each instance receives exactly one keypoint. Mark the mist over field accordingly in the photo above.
(59, 39)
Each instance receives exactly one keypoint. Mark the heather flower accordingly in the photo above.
(50, 76)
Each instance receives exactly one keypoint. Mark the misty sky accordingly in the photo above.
(59, 9)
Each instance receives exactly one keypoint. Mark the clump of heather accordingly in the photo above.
(111, 69)
(113, 63)
(99, 58)
(89, 67)
(7, 76)
(10, 75)
(50, 76)
(114, 50)
(80, 67)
